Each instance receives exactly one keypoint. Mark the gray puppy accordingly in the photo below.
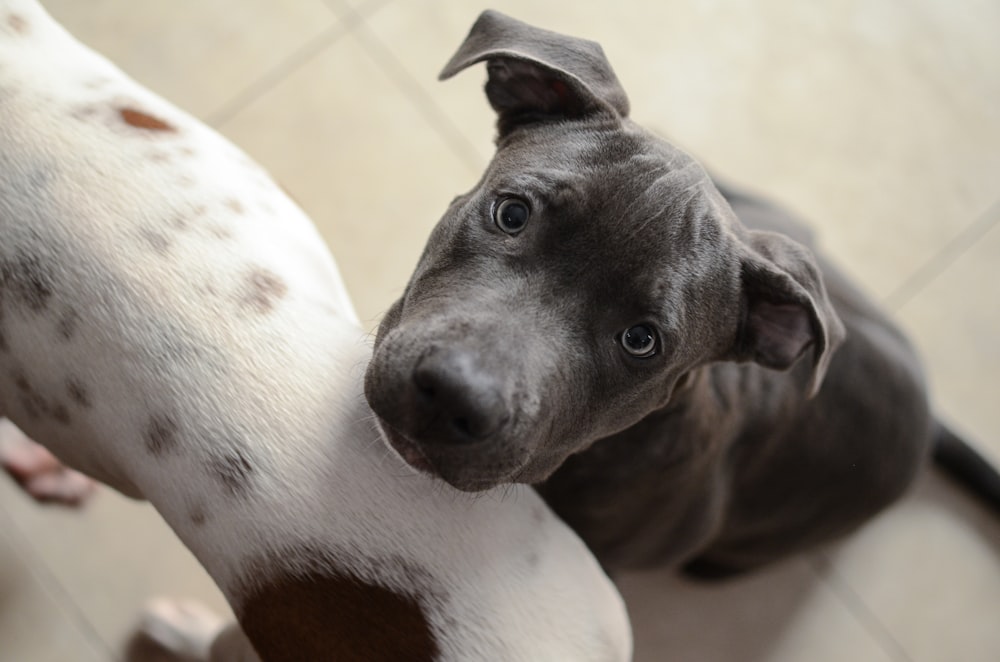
(665, 358)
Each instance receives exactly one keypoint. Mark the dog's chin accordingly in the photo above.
(407, 450)
(458, 477)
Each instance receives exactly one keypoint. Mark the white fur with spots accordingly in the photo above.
(172, 324)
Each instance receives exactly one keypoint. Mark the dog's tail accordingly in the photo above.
(966, 466)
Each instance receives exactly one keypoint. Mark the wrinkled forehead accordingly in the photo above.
(617, 169)
(625, 212)
(609, 187)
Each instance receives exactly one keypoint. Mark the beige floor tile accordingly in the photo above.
(362, 161)
(109, 558)
(35, 624)
(197, 54)
(783, 614)
(929, 570)
(875, 120)
(955, 322)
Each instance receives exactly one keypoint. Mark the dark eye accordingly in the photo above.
(639, 340)
(511, 215)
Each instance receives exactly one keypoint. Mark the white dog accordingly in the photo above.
(172, 325)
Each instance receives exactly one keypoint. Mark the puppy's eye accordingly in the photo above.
(639, 340)
(511, 215)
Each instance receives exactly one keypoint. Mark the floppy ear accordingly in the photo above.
(785, 308)
(535, 74)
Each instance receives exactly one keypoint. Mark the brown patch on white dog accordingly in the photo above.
(78, 392)
(157, 241)
(325, 614)
(141, 120)
(60, 414)
(234, 470)
(198, 515)
(34, 405)
(17, 24)
(66, 327)
(161, 434)
(27, 280)
(264, 289)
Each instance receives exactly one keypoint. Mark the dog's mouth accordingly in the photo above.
(406, 449)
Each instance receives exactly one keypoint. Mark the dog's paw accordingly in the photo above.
(176, 630)
(38, 472)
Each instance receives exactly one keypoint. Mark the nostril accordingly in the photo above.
(426, 391)
(425, 386)
(462, 425)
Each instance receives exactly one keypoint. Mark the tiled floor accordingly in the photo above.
(878, 120)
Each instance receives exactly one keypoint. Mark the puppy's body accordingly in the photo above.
(668, 361)
(172, 324)
(711, 477)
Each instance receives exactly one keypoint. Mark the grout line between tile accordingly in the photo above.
(824, 569)
(943, 259)
(349, 12)
(53, 588)
(389, 64)
(272, 77)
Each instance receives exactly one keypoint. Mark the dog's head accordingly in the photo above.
(590, 270)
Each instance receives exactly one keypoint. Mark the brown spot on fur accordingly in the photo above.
(332, 615)
(531, 559)
(78, 393)
(67, 324)
(34, 405)
(198, 516)
(27, 280)
(17, 24)
(161, 434)
(156, 241)
(235, 205)
(234, 470)
(264, 290)
(141, 120)
(22, 383)
(61, 414)
(539, 514)
(186, 151)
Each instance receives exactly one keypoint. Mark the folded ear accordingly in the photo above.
(535, 74)
(785, 308)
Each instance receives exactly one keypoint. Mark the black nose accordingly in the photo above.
(462, 402)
